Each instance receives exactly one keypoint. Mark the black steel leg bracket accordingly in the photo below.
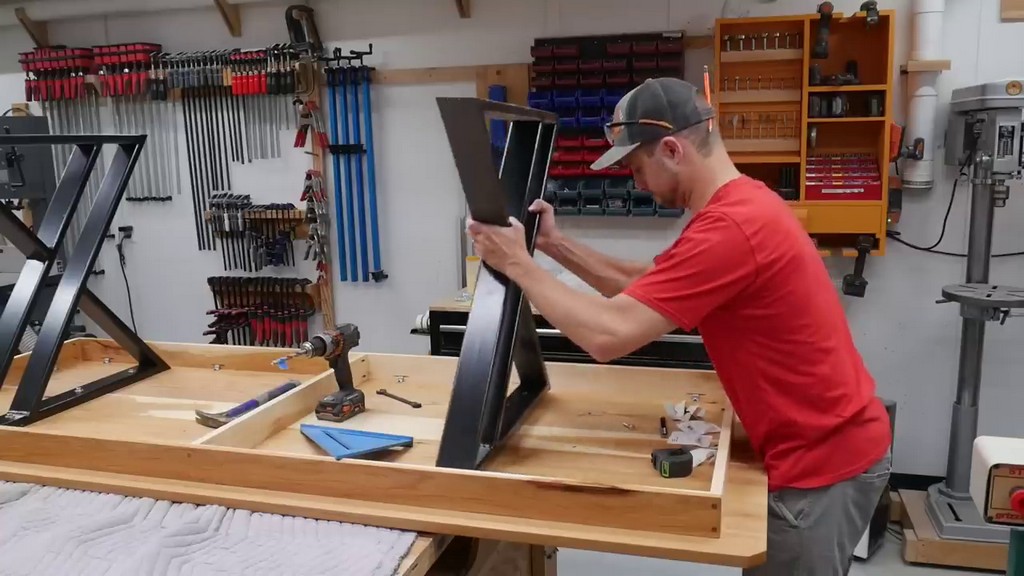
(29, 404)
(500, 330)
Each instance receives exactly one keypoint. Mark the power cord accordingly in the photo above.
(945, 219)
(125, 233)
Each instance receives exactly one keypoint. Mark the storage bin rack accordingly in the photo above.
(779, 118)
(582, 79)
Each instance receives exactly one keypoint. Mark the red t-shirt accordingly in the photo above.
(746, 274)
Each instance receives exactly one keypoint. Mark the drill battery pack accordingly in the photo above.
(341, 405)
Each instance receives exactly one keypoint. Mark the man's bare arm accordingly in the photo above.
(606, 328)
(606, 274)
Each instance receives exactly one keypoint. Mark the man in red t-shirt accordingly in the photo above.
(745, 274)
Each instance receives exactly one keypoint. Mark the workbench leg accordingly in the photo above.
(473, 557)
(543, 561)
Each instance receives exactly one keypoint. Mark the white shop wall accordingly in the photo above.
(909, 342)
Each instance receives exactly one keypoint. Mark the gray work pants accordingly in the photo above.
(813, 532)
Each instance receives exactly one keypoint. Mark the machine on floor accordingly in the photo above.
(984, 137)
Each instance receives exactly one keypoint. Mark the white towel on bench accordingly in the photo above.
(54, 531)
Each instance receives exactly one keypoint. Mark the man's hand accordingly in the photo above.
(501, 247)
(548, 234)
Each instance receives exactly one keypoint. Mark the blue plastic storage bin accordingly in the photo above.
(590, 98)
(591, 118)
(565, 99)
(540, 100)
(611, 97)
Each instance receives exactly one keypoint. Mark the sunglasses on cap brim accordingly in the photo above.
(613, 129)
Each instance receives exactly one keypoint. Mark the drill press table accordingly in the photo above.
(576, 473)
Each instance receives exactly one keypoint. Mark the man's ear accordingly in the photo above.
(672, 149)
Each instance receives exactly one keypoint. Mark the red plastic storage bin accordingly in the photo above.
(670, 46)
(566, 50)
(566, 170)
(543, 65)
(541, 51)
(610, 172)
(567, 79)
(645, 47)
(618, 48)
(645, 63)
(566, 65)
(669, 63)
(568, 141)
(618, 78)
(567, 155)
(613, 64)
(641, 76)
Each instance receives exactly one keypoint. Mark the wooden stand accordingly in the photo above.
(577, 473)
(922, 546)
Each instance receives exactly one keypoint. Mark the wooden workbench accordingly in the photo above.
(576, 474)
(678, 349)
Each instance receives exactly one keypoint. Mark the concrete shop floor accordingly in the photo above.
(887, 561)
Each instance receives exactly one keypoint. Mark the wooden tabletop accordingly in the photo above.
(456, 303)
(597, 425)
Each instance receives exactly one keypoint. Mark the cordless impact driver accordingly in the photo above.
(334, 346)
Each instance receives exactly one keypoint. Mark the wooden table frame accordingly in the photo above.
(573, 475)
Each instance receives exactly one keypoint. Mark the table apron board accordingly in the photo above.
(262, 463)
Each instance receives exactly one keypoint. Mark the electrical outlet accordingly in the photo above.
(126, 231)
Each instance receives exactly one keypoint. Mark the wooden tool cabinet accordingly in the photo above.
(764, 94)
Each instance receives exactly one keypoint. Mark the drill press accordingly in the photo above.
(984, 133)
(334, 346)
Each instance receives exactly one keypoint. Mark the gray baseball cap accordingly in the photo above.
(656, 108)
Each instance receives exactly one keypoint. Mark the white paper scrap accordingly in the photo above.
(676, 411)
(699, 427)
(690, 439)
(701, 455)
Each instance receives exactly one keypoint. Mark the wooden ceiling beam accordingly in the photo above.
(463, 8)
(37, 31)
(232, 18)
